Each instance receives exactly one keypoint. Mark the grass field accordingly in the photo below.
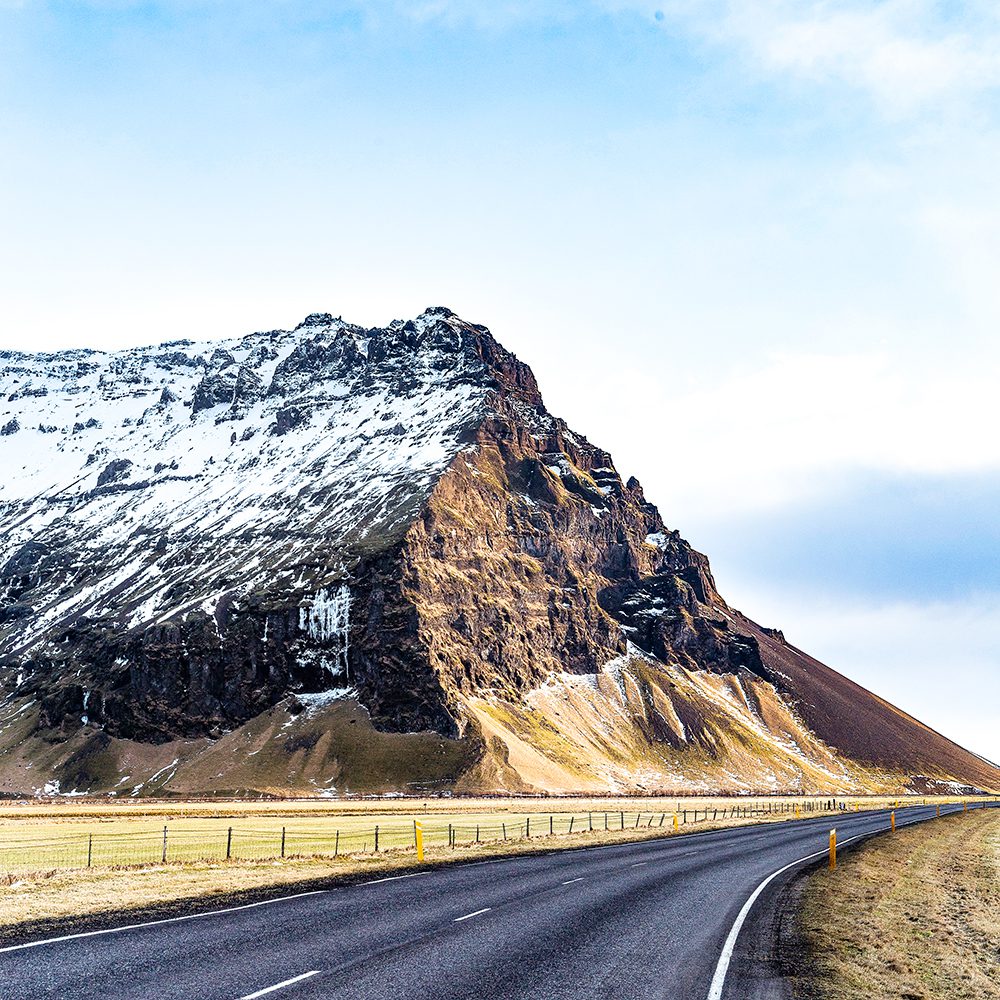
(81, 834)
(915, 915)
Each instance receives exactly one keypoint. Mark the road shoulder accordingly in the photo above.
(912, 915)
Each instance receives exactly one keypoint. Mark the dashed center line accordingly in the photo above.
(572, 880)
(280, 986)
(639, 864)
(469, 916)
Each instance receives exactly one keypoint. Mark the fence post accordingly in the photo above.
(605, 822)
(550, 825)
(229, 843)
(527, 826)
(376, 838)
(336, 844)
(477, 833)
(164, 858)
(623, 820)
(638, 816)
(571, 823)
(90, 848)
(663, 816)
(504, 828)
(282, 841)
(449, 834)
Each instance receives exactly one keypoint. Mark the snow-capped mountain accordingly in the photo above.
(204, 539)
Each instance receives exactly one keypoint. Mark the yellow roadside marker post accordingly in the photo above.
(892, 820)
(677, 825)
(418, 835)
(833, 848)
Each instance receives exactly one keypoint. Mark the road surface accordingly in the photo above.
(665, 919)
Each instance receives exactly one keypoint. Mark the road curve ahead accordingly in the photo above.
(653, 919)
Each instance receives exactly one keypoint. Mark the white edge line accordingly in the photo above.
(719, 979)
(469, 916)
(722, 967)
(316, 892)
(572, 880)
(154, 923)
(280, 986)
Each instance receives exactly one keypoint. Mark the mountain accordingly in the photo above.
(344, 559)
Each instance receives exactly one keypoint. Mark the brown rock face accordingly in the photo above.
(531, 557)
(403, 521)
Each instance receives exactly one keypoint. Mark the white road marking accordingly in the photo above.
(154, 923)
(280, 986)
(664, 841)
(393, 878)
(572, 880)
(719, 979)
(469, 916)
(639, 864)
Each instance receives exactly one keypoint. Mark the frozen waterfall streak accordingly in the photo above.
(327, 620)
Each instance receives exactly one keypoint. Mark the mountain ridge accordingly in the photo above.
(387, 524)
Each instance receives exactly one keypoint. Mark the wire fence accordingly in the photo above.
(212, 841)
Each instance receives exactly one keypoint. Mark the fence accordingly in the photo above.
(214, 840)
(207, 841)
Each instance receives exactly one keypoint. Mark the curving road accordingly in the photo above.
(636, 921)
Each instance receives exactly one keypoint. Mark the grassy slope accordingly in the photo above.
(915, 915)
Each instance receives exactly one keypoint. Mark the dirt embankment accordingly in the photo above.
(915, 915)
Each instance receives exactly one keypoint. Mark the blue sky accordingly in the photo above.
(749, 247)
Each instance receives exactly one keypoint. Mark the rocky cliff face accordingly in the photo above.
(198, 534)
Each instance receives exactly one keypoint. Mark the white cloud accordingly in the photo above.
(770, 436)
(904, 53)
(968, 234)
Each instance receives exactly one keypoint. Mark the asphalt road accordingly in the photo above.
(632, 921)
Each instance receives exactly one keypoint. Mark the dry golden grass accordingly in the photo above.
(55, 898)
(61, 835)
(914, 915)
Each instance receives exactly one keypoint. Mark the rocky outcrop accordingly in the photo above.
(391, 517)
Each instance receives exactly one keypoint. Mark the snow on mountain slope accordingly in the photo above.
(133, 467)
